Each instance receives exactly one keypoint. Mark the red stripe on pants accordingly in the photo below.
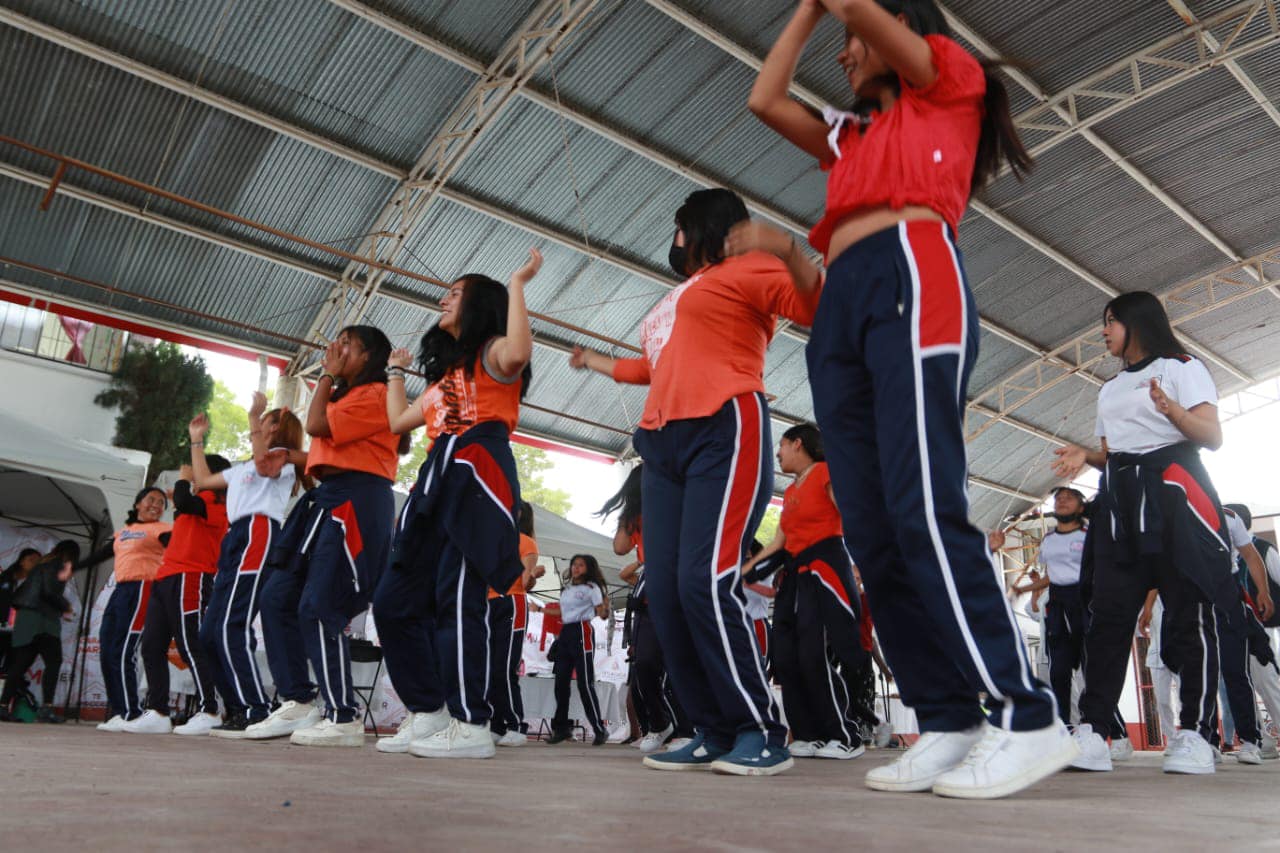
(744, 480)
(140, 615)
(1199, 500)
(941, 290)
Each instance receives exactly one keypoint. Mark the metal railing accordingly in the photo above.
(45, 334)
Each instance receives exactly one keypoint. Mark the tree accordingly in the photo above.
(531, 462)
(228, 425)
(407, 473)
(768, 525)
(159, 390)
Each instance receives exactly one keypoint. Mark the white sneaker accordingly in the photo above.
(1121, 749)
(1188, 753)
(115, 724)
(1249, 753)
(150, 723)
(458, 740)
(652, 742)
(798, 748)
(920, 766)
(1005, 762)
(1217, 755)
(838, 750)
(1094, 752)
(882, 735)
(290, 717)
(199, 724)
(1269, 751)
(414, 726)
(329, 733)
(681, 743)
(513, 737)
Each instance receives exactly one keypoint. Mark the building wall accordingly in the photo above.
(57, 396)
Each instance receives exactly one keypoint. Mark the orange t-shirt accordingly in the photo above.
(704, 342)
(527, 546)
(637, 541)
(138, 550)
(808, 513)
(458, 402)
(196, 541)
(360, 436)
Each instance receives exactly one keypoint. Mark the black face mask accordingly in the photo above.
(676, 257)
(1068, 519)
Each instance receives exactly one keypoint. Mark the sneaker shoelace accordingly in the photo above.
(990, 743)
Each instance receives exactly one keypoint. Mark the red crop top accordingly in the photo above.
(921, 152)
(808, 515)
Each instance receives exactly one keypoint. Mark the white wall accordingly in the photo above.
(57, 396)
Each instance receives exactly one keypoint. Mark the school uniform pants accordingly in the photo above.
(705, 487)
(648, 676)
(227, 632)
(893, 344)
(174, 614)
(508, 618)
(1164, 684)
(1188, 642)
(122, 622)
(1064, 627)
(44, 646)
(576, 654)
(1237, 681)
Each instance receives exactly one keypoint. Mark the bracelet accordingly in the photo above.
(197, 444)
(399, 376)
(333, 380)
(393, 370)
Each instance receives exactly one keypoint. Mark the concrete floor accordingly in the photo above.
(71, 787)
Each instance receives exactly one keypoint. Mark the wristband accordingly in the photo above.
(333, 380)
(197, 444)
(393, 370)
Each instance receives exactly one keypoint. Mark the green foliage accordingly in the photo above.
(407, 473)
(768, 525)
(228, 425)
(531, 462)
(159, 390)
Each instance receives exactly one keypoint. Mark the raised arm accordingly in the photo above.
(400, 415)
(510, 353)
(752, 235)
(628, 573)
(770, 100)
(317, 420)
(905, 52)
(622, 540)
(201, 476)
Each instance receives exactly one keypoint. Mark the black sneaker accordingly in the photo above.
(558, 735)
(46, 715)
(601, 738)
(232, 727)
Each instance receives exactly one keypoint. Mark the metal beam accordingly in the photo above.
(1151, 70)
(1183, 303)
(1004, 490)
(525, 51)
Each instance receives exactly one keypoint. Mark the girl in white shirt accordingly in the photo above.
(1159, 525)
(581, 601)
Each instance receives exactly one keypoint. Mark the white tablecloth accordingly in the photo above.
(539, 697)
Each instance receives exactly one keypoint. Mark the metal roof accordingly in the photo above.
(1157, 143)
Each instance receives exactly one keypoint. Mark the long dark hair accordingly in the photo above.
(1145, 320)
(810, 439)
(66, 551)
(626, 499)
(999, 143)
(482, 316)
(593, 575)
(705, 218)
(132, 517)
(22, 555)
(524, 521)
(378, 345)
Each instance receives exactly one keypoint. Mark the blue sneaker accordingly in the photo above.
(753, 756)
(697, 754)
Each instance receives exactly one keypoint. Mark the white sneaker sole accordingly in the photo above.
(331, 740)
(1188, 769)
(513, 743)
(1092, 765)
(843, 756)
(185, 732)
(1046, 767)
(391, 747)
(479, 751)
(281, 729)
(652, 763)
(909, 786)
(148, 731)
(229, 734)
(726, 768)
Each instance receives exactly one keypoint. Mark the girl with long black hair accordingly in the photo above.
(704, 438)
(893, 344)
(335, 543)
(584, 597)
(138, 548)
(1158, 524)
(457, 534)
(37, 629)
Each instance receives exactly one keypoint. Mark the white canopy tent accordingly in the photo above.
(560, 539)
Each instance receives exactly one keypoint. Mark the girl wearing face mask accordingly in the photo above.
(1157, 524)
(335, 544)
(704, 437)
(893, 344)
(138, 548)
(585, 598)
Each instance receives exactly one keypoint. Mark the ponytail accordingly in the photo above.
(999, 143)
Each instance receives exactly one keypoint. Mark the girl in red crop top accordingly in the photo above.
(432, 617)
(893, 343)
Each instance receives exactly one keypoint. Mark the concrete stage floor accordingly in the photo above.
(71, 787)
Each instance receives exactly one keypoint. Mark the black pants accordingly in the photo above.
(1189, 642)
(655, 701)
(1064, 627)
(508, 618)
(176, 608)
(44, 646)
(1233, 652)
(860, 681)
(576, 652)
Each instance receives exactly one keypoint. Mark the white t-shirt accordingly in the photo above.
(579, 601)
(1127, 417)
(1061, 554)
(757, 604)
(250, 493)
(1153, 651)
(1272, 559)
(1237, 532)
